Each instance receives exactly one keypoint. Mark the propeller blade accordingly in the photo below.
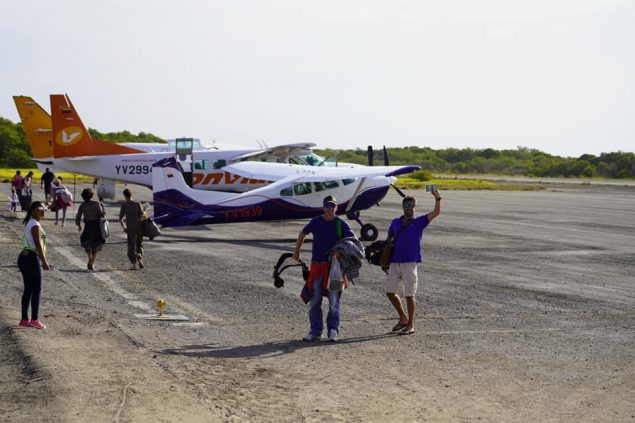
(400, 192)
(370, 155)
(386, 161)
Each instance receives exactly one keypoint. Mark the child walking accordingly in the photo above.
(14, 200)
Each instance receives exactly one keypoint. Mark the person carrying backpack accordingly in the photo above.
(62, 200)
(406, 232)
(325, 235)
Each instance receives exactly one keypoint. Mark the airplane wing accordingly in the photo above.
(277, 171)
(283, 151)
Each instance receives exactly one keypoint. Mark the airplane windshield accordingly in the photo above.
(313, 159)
(196, 144)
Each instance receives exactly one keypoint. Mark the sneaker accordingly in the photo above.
(140, 264)
(134, 266)
(333, 335)
(311, 338)
(24, 323)
(37, 324)
(91, 266)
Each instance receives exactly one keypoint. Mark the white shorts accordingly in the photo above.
(406, 272)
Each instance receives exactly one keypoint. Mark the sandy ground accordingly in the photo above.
(526, 313)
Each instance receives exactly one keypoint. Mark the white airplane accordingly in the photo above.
(88, 156)
(74, 150)
(297, 193)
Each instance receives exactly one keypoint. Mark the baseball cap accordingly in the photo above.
(329, 199)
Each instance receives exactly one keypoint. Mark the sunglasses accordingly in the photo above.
(330, 206)
(408, 205)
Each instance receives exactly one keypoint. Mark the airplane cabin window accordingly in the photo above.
(348, 181)
(301, 189)
(201, 164)
(286, 192)
(319, 186)
(331, 184)
(218, 164)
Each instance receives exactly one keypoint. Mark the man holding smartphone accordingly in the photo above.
(406, 232)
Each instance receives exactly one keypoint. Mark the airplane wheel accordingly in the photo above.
(369, 232)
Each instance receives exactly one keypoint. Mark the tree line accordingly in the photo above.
(522, 161)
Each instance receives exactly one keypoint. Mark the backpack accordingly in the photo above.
(67, 196)
(373, 252)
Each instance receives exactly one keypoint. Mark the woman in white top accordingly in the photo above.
(31, 261)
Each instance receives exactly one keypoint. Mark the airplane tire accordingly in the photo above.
(369, 232)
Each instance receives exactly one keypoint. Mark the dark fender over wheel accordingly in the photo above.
(369, 232)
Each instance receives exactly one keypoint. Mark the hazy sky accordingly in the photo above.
(555, 75)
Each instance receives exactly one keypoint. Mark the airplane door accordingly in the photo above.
(184, 152)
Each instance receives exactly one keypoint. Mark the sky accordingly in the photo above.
(553, 75)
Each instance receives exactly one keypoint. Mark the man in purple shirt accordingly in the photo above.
(407, 231)
(327, 229)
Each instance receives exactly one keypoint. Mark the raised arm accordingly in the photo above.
(437, 205)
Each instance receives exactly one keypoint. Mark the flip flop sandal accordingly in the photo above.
(399, 326)
(407, 331)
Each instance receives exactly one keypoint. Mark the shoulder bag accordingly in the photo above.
(104, 228)
(103, 222)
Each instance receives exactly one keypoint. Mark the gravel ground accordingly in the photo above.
(526, 313)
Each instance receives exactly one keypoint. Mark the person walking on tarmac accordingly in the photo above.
(61, 200)
(18, 182)
(132, 212)
(91, 238)
(406, 231)
(31, 261)
(325, 235)
(45, 182)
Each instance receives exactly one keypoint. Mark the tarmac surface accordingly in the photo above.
(526, 312)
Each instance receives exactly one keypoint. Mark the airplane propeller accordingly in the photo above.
(371, 156)
(400, 192)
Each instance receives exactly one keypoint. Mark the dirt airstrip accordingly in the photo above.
(526, 313)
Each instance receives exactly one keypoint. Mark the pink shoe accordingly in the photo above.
(37, 324)
(24, 323)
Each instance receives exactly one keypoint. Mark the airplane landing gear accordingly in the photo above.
(369, 231)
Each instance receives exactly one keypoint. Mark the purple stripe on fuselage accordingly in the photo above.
(173, 208)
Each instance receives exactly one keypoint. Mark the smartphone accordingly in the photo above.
(430, 187)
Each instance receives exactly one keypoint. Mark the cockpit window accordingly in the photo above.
(348, 181)
(286, 192)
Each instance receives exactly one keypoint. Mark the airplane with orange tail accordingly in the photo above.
(38, 127)
(76, 151)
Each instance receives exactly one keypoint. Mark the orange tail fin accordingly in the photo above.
(37, 126)
(71, 136)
